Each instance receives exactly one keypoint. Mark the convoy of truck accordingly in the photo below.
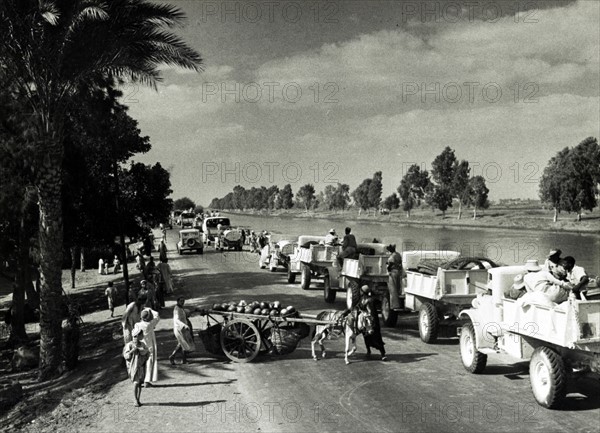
(445, 288)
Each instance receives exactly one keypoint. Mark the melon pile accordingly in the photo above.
(257, 308)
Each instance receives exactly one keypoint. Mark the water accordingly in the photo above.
(501, 245)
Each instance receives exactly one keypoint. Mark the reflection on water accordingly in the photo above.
(501, 245)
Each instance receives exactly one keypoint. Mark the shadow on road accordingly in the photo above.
(186, 404)
(178, 385)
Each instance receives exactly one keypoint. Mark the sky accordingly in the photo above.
(332, 91)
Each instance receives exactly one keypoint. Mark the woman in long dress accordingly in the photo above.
(183, 333)
(131, 317)
(148, 323)
(166, 273)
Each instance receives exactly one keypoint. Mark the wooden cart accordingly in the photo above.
(242, 336)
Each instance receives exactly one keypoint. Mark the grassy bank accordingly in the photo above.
(516, 218)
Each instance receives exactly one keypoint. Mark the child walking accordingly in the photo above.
(111, 295)
(136, 354)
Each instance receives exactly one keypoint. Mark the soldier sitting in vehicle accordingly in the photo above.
(349, 246)
(576, 275)
(331, 238)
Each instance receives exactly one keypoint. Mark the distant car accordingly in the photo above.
(190, 240)
(187, 219)
(209, 228)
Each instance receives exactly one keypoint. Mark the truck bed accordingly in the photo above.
(456, 286)
(574, 324)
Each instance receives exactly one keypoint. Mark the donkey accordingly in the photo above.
(351, 325)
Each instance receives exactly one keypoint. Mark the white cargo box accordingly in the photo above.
(319, 253)
(371, 266)
(572, 324)
(457, 285)
(410, 259)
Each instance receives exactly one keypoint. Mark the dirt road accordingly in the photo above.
(420, 388)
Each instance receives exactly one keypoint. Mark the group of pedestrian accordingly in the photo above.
(104, 265)
(141, 350)
(558, 278)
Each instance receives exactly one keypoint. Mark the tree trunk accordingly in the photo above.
(555, 214)
(73, 265)
(578, 217)
(22, 278)
(443, 214)
(475, 212)
(459, 209)
(82, 259)
(51, 240)
(408, 214)
(17, 311)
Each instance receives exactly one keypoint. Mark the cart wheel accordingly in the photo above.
(390, 317)
(548, 377)
(352, 294)
(291, 277)
(473, 360)
(305, 278)
(327, 292)
(240, 340)
(428, 323)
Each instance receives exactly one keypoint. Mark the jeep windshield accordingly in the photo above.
(214, 222)
(187, 215)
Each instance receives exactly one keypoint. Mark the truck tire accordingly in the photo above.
(328, 294)
(428, 323)
(548, 377)
(390, 317)
(352, 294)
(305, 278)
(291, 277)
(200, 250)
(473, 360)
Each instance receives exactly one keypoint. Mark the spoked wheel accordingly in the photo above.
(548, 377)
(428, 323)
(240, 340)
(264, 328)
(473, 360)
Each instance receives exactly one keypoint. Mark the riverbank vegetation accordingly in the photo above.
(569, 186)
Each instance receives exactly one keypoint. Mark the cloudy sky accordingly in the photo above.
(325, 91)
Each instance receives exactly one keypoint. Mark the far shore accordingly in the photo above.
(504, 218)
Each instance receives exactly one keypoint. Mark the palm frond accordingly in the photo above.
(49, 12)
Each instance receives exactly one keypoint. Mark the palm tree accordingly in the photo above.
(54, 49)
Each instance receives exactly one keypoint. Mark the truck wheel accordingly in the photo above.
(327, 292)
(548, 377)
(291, 277)
(390, 317)
(352, 294)
(305, 278)
(473, 360)
(428, 323)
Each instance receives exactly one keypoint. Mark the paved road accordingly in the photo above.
(420, 388)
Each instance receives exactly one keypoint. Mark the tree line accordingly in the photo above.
(570, 180)
(569, 183)
(449, 180)
(66, 142)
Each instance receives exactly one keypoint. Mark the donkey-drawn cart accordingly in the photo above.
(242, 336)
